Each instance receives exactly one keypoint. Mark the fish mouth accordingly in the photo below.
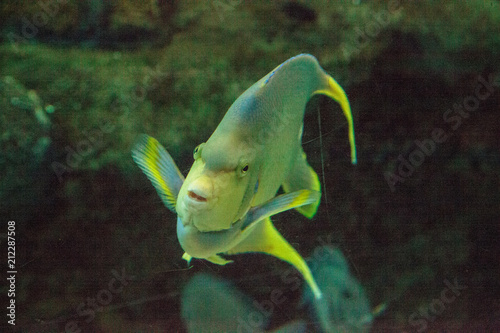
(196, 197)
(195, 202)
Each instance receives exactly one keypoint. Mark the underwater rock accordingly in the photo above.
(344, 306)
(93, 23)
(25, 144)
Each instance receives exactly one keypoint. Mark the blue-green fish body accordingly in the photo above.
(225, 202)
(344, 306)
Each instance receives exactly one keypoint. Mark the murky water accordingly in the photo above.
(93, 248)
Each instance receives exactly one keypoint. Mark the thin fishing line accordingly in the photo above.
(322, 163)
(326, 134)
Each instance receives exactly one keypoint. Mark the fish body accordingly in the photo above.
(344, 306)
(224, 204)
(235, 311)
(231, 314)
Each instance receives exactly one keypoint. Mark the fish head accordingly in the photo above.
(220, 185)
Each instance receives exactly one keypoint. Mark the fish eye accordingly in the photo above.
(197, 151)
(244, 169)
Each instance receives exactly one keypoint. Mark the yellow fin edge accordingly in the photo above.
(336, 92)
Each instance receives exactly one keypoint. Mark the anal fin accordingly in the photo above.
(264, 238)
(302, 176)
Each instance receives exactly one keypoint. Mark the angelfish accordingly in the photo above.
(224, 204)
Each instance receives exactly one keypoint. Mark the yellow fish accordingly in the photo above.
(224, 204)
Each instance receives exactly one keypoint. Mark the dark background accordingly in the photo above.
(79, 80)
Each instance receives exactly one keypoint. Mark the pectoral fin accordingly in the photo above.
(264, 237)
(280, 204)
(160, 168)
(302, 176)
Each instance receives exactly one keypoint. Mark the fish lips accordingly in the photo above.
(197, 205)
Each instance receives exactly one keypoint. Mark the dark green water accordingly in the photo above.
(416, 217)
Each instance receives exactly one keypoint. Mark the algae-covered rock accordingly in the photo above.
(25, 146)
